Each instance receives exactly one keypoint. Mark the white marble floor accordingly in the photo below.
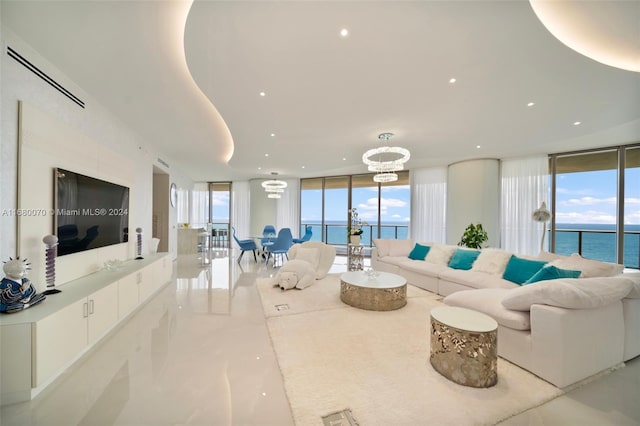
(199, 353)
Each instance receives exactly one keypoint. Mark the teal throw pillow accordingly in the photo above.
(463, 259)
(419, 252)
(551, 273)
(519, 270)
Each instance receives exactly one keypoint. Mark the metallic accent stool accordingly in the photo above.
(468, 358)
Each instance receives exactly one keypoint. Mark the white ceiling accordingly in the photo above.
(187, 78)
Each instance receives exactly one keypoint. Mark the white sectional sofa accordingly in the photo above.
(563, 330)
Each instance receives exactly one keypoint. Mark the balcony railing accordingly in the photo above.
(337, 234)
(599, 245)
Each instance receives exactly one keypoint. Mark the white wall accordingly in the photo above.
(94, 124)
(473, 196)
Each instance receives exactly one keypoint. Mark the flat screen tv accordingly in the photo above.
(89, 212)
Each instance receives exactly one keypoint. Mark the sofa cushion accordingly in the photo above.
(589, 268)
(572, 293)
(396, 260)
(519, 270)
(463, 259)
(419, 252)
(440, 254)
(475, 279)
(488, 301)
(550, 272)
(425, 268)
(491, 261)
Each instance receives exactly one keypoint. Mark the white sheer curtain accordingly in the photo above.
(288, 208)
(199, 205)
(240, 208)
(182, 209)
(428, 204)
(524, 188)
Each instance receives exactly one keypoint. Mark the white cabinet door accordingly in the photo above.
(103, 312)
(59, 338)
(147, 283)
(127, 295)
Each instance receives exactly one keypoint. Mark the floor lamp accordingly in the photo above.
(542, 215)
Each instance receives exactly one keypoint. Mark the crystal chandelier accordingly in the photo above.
(274, 187)
(386, 160)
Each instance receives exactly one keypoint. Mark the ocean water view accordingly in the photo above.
(593, 241)
(598, 242)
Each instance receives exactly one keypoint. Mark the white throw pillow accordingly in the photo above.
(550, 257)
(311, 255)
(572, 293)
(589, 268)
(401, 247)
(383, 246)
(440, 254)
(491, 261)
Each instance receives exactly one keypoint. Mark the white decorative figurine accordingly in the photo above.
(16, 291)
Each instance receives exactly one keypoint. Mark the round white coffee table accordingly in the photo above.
(464, 346)
(382, 292)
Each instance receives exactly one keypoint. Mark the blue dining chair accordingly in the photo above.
(245, 245)
(280, 246)
(268, 233)
(306, 237)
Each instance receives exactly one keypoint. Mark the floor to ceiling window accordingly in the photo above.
(311, 207)
(631, 251)
(590, 198)
(220, 211)
(384, 208)
(336, 204)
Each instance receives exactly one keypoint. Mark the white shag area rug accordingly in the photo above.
(333, 357)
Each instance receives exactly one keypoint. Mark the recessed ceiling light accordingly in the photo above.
(273, 135)
(530, 104)
(303, 167)
(263, 94)
(259, 168)
(478, 146)
(266, 155)
(452, 80)
(344, 32)
(577, 123)
(344, 159)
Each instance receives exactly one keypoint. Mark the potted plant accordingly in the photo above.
(354, 231)
(474, 236)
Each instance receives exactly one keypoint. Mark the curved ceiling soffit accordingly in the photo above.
(218, 121)
(607, 32)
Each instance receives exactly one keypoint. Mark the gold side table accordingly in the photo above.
(464, 346)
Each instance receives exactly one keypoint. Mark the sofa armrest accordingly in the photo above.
(569, 345)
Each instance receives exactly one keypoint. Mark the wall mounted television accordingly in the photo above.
(89, 212)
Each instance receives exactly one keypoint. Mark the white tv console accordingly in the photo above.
(39, 343)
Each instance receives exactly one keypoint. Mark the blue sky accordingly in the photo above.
(395, 206)
(590, 197)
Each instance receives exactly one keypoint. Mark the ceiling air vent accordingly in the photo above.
(15, 55)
